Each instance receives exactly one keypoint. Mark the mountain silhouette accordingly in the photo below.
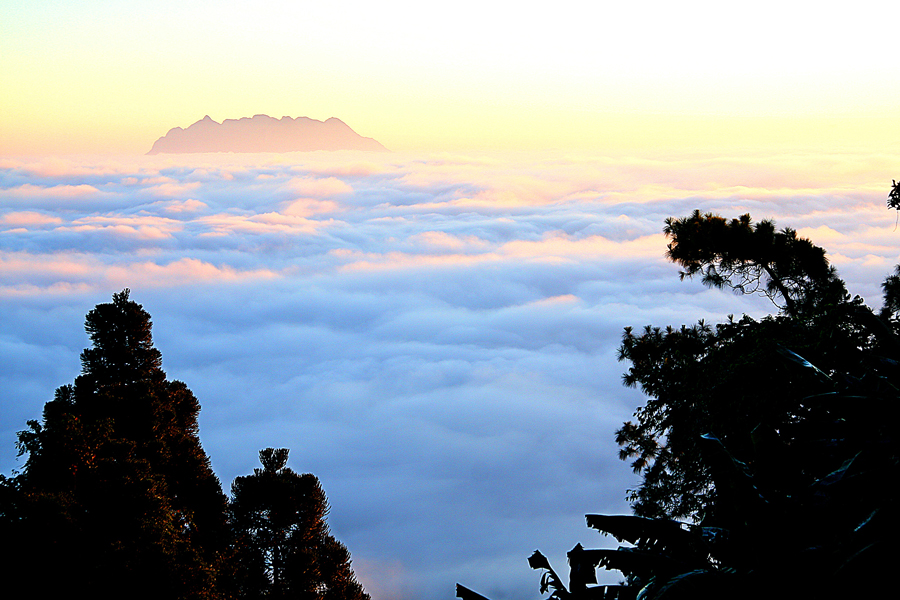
(263, 133)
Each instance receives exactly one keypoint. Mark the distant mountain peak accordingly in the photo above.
(262, 133)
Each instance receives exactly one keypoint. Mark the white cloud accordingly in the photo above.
(182, 206)
(434, 337)
(307, 207)
(319, 187)
(24, 273)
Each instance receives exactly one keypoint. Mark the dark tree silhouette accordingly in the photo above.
(283, 545)
(117, 497)
(805, 511)
(759, 434)
(728, 378)
(894, 196)
(774, 441)
(790, 270)
(891, 288)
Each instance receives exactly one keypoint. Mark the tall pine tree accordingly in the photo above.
(117, 497)
(284, 547)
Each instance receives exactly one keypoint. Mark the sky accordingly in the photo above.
(107, 76)
(432, 331)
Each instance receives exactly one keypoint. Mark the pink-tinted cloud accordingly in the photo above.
(556, 300)
(181, 272)
(271, 222)
(558, 245)
(143, 227)
(307, 207)
(364, 261)
(181, 206)
(20, 265)
(28, 219)
(76, 273)
(28, 190)
(440, 240)
(170, 189)
(352, 169)
(327, 187)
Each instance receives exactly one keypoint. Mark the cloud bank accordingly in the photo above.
(433, 336)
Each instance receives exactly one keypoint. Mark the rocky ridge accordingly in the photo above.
(262, 133)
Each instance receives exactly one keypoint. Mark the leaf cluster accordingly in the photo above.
(894, 195)
(805, 508)
(753, 259)
(805, 511)
(725, 379)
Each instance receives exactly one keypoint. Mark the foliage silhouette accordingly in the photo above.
(775, 440)
(752, 258)
(728, 378)
(283, 545)
(118, 499)
(770, 456)
(894, 196)
(117, 493)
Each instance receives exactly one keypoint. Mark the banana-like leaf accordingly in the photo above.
(608, 592)
(538, 561)
(642, 531)
(630, 561)
(692, 584)
(545, 583)
(549, 579)
(866, 523)
(466, 594)
(799, 360)
(838, 474)
(581, 572)
(725, 458)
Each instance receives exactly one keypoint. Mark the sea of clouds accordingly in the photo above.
(434, 336)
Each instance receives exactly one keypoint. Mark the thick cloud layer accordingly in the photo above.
(433, 336)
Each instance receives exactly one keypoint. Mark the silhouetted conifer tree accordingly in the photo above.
(728, 378)
(283, 546)
(117, 497)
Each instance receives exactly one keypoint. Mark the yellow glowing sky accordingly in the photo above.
(112, 76)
